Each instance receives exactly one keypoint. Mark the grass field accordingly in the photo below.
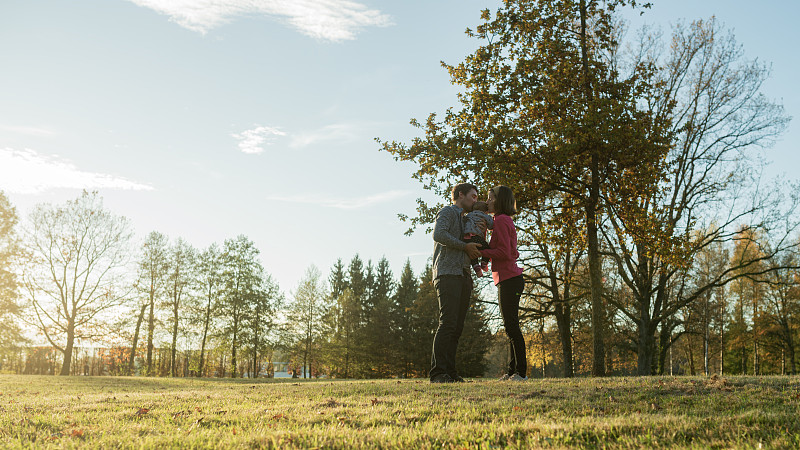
(112, 412)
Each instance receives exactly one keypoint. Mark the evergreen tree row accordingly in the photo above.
(369, 325)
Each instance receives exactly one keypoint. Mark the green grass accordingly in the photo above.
(112, 412)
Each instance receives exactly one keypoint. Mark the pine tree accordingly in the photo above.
(380, 349)
(475, 340)
(424, 320)
(401, 316)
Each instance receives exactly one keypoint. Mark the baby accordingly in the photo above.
(474, 232)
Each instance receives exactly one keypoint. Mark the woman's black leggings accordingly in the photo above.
(509, 292)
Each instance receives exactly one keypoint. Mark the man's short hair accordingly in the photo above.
(463, 188)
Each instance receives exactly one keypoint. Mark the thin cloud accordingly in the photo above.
(341, 203)
(336, 132)
(253, 141)
(330, 20)
(32, 131)
(28, 172)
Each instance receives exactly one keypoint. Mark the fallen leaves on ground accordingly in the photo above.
(78, 434)
(330, 403)
(717, 382)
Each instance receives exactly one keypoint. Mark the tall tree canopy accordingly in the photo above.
(77, 252)
(543, 110)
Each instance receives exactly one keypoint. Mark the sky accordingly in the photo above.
(206, 119)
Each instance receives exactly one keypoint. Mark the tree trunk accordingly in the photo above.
(233, 348)
(255, 348)
(744, 359)
(542, 346)
(305, 361)
(595, 275)
(68, 348)
(706, 369)
(706, 326)
(205, 335)
(646, 345)
(151, 326)
(664, 346)
(135, 342)
(173, 360)
(755, 355)
(562, 313)
(721, 335)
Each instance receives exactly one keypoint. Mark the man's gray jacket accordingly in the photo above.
(449, 257)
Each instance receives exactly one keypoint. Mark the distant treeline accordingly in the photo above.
(77, 282)
(216, 312)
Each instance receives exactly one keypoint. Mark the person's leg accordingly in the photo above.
(483, 261)
(465, 294)
(509, 292)
(482, 241)
(448, 290)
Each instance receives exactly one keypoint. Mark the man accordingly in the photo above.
(452, 279)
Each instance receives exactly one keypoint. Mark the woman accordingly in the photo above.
(507, 276)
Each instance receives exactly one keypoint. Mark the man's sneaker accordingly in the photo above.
(443, 378)
(505, 377)
(459, 379)
(517, 377)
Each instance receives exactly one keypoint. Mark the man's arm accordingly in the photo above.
(441, 229)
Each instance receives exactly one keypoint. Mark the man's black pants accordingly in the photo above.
(453, 292)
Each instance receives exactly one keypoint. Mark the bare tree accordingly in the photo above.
(152, 270)
(180, 276)
(553, 254)
(783, 303)
(719, 119)
(307, 311)
(242, 273)
(135, 340)
(263, 303)
(74, 277)
(210, 285)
